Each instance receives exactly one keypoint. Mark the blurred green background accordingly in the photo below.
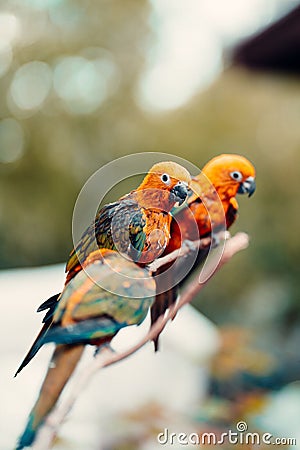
(83, 83)
(72, 99)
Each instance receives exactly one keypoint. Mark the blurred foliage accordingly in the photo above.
(69, 104)
(65, 138)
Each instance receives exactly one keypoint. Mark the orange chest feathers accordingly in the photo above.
(198, 219)
(157, 230)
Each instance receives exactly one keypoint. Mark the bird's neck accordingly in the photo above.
(226, 193)
(153, 199)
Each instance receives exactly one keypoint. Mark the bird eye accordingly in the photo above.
(165, 178)
(236, 175)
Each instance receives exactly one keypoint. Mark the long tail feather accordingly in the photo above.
(38, 342)
(62, 365)
(49, 303)
(34, 348)
(165, 298)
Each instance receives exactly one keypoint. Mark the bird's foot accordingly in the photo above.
(102, 347)
(190, 245)
(216, 238)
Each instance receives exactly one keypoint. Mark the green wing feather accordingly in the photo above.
(120, 295)
(116, 226)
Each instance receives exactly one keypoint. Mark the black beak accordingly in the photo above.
(247, 187)
(180, 191)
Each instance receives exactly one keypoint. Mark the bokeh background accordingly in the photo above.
(83, 83)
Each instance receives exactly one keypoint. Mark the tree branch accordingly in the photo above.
(178, 253)
(187, 247)
(107, 357)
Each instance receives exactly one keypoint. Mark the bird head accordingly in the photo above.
(165, 186)
(231, 174)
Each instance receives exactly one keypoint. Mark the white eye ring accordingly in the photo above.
(236, 175)
(165, 178)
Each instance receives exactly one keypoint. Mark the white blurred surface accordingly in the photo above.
(175, 377)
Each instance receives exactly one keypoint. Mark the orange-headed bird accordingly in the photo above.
(212, 206)
(138, 224)
(95, 304)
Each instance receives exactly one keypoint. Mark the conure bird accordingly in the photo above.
(138, 224)
(211, 207)
(112, 292)
(130, 225)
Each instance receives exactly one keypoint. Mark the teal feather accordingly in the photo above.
(117, 225)
(119, 294)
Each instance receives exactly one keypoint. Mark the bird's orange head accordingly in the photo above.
(165, 186)
(231, 174)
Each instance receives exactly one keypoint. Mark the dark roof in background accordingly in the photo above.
(275, 48)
